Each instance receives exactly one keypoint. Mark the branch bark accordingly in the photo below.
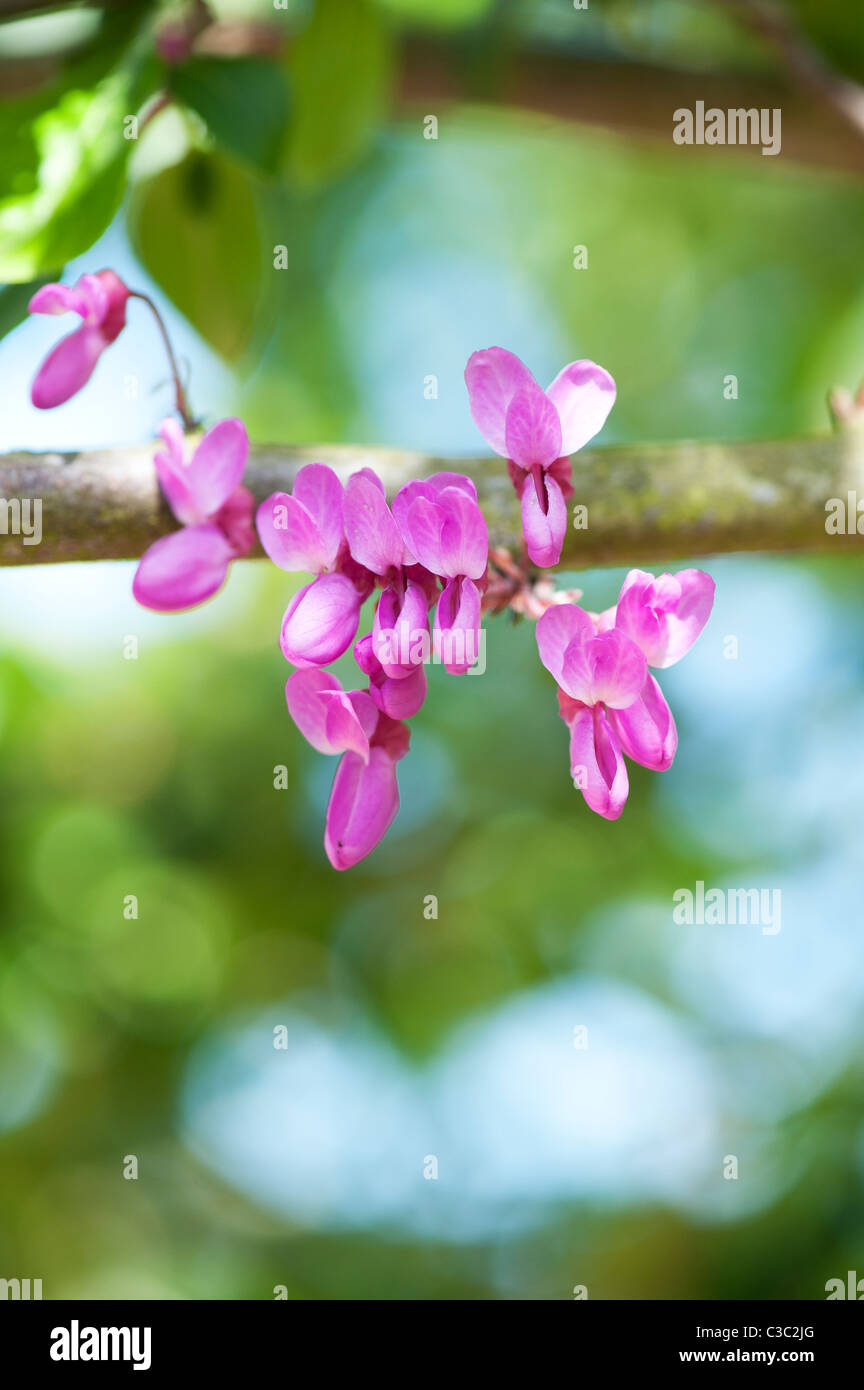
(646, 503)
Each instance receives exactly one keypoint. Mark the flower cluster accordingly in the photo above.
(607, 697)
(428, 559)
(535, 430)
(428, 554)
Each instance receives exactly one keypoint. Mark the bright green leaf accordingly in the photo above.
(82, 160)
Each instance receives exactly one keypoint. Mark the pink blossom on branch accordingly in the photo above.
(304, 530)
(215, 511)
(364, 797)
(536, 430)
(610, 702)
(100, 302)
(445, 530)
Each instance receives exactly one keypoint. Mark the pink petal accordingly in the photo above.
(373, 536)
(320, 622)
(665, 615)
(372, 477)
(363, 801)
(59, 299)
(174, 478)
(67, 368)
(183, 569)
(329, 718)
(646, 729)
(532, 428)
(290, 536)
(400, 630)
(174, 440)
(421, 523)
(234, 519)
(583, 395)
(217, 465)
(107, 296)
(493, 376)
(399, 699)
(608, 669)
(544, 531)
(596, 764)
(365, 656)
(319, 491)
(557, 628)
(464, 537)
(456, 630)
(97, 299)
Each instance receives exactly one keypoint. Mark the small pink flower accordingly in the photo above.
(365, 796)
(320, 622)
(371, 531)
(445, 530)
(601, 666)
(331, 719)
(400, 697)
(304, 530)
(100, 301)
(536, 430)
(664, 616)
(205, 494)
(400, 630)
(597, 674)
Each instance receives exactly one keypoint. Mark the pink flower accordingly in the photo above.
(400, 696)
(664, 616)
(320, 622)
(400, 630)
(365, 796)
(607, 697)
(535, 430)
(371, 531)
(333, 720)
(100, 301)
(444, 529)
(596, 674)
(188, 566)
(304, 530)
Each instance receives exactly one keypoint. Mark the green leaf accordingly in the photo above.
(79, 182)
(195, 228)
(14, 301)
(242, 101)
(342, 67)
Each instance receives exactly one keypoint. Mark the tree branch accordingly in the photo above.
(646, 503)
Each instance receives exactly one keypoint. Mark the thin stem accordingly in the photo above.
(181, 404)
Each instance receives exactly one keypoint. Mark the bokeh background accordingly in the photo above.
(408, 1036)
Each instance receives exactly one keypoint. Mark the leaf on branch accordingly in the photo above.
(195, 228)
(242, 101)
